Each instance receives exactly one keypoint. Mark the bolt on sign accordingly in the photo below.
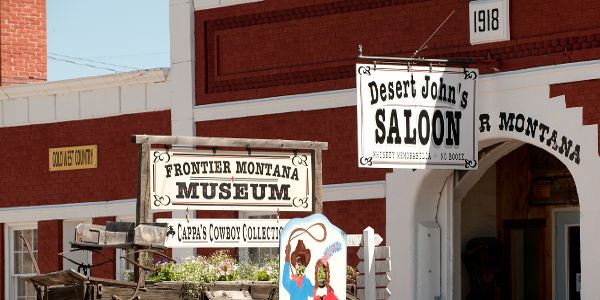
(416, 117)
(230, 180)
(73, 158)
(223, 233)
(312, 260)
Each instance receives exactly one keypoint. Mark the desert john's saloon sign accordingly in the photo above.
(416, 117)
(207, 180)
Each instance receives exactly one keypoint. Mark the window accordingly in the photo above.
(20, 263)
(80, 256)
(256, 254)
(123, 267)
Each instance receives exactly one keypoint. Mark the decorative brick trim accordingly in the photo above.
(527, 52)
(332, 73)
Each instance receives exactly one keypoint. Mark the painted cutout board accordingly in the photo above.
(312, 260)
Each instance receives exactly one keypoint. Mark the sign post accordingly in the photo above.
(374, 266)
(293, 180)
(283, 175)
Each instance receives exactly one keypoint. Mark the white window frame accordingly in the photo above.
(9, 230)
(244, 252)
(119, 262)
(69, 237)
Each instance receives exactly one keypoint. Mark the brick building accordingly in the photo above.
(286, 69)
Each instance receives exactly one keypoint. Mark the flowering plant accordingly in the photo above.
(165, 271)
(351, 274)
(220, 266)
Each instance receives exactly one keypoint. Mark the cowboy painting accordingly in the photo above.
(313, 260)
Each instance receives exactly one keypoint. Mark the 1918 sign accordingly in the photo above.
(230, 180)
(416, 117)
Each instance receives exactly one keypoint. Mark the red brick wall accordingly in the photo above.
(50, 238)
(22, 41)
(106, 270)
(336, 126)
(26, 180)
(354, 216)
(581, 94)
(362, 213)
(281, 47)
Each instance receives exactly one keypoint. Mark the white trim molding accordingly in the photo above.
(354, 191)
(84, 98)
(331, 192)
(67, 211)
(83, 84)
(181, 80)
(208, 4)
(275, 105)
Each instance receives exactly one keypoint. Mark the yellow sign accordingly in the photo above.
(73, 158)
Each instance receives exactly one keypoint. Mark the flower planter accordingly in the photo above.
(258, 290)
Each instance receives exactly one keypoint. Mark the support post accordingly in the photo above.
(142, 214)
(317, 180)
(369, 263)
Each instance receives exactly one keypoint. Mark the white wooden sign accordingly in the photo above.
(489, 21)
(201, 180)
(380, 294)
(223, 233)
(374, 267)
(355, 240)
(416, 117)
(312, 256)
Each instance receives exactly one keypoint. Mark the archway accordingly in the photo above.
(512, 242)
(429, 195)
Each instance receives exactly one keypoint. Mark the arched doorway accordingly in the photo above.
(433, 197)
(520, 230)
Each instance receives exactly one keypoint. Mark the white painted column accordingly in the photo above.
(412, 199)
(181, 81)
(400, 231)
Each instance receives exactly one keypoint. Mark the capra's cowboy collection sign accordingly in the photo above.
(222, 233)
(416, 117)
(230, 180)
(312, 260)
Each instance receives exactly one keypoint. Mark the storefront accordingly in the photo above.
(286, 70)
(529, 192)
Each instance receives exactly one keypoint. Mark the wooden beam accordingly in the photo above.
(317, 165)
(143, 214)
(229, 142)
